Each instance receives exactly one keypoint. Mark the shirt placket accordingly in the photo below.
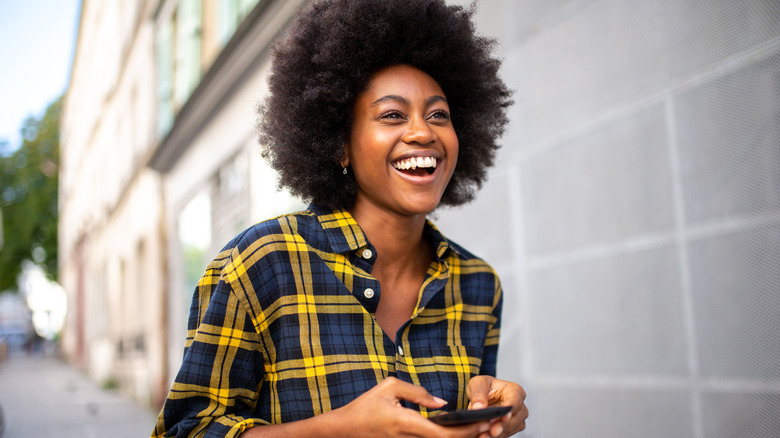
(409, 340)
(365, 289)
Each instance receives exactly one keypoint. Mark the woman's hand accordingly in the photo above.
(378, 413)
(484, 391)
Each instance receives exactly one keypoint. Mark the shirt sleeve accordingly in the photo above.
(490, 351)
(216, 389)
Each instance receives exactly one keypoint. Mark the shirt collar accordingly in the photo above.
(345, 235)
(439, 242)
(343, 232)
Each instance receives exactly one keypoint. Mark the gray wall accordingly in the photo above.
(634, 215)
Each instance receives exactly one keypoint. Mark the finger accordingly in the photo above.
(413, 393)
(505, 393)
(478, 391)
(429, 428)
(514, 422)
(522, 416)
(481, 429)
(484, 431)
(511, 393)
(497, 428)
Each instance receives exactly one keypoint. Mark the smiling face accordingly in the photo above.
(403, 148)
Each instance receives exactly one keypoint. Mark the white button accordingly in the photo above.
(368, 293)
(367, 253)
(400, 350)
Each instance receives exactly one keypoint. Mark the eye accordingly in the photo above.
(440, 115)
(392, 115)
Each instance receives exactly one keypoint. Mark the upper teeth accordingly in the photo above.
(415, 162)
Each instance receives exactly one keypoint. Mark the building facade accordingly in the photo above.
(633, 214)
(158, 121)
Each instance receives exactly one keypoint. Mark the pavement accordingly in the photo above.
(42, 396)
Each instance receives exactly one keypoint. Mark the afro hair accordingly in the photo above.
(327, 59)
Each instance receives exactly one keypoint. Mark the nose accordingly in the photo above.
(418, 131)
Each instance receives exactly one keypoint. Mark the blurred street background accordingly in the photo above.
(633, 213)
(43, 396)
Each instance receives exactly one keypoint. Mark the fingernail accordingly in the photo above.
(499, 430)
(440, 401)
(478, 405)
(484, 428)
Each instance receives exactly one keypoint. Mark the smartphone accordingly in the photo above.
(456, 418)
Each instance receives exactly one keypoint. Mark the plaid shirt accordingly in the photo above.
(281, 328)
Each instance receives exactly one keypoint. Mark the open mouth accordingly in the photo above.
(416, 166)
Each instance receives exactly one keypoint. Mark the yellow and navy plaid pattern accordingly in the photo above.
(281, 328)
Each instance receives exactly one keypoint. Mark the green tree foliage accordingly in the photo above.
(28, 197)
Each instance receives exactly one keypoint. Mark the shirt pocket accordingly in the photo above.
(455, 366)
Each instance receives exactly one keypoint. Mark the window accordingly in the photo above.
(195, 239)
(188, 44)
(184, 49)
(164, 55)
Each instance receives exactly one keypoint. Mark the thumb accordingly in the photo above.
(477, 391)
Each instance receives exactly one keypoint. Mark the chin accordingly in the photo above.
(417, 206)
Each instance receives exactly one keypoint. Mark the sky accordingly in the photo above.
(37, 42)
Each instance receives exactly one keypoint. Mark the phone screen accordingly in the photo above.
(456, 418)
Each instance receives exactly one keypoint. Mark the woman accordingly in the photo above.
(357, 317)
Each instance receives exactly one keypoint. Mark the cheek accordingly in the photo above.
(453, 148)
(371, 151)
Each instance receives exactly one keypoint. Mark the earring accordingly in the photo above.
(345, 170)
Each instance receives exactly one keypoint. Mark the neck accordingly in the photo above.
(398, 239)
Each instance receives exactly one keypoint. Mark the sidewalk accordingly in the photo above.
(44, 397)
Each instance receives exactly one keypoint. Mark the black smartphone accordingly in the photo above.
(456, 418)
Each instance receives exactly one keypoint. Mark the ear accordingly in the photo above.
(344, 160)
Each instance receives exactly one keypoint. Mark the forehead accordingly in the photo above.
(403, 80)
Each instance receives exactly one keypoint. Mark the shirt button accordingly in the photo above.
(367, 253)
(368, 293)
(400, 350)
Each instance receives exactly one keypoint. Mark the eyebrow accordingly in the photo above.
(404, 101)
